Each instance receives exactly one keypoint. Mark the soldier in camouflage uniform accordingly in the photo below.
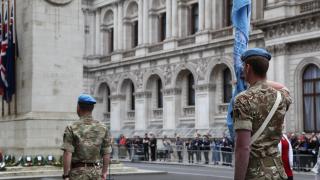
(261, 160)
(85, 143)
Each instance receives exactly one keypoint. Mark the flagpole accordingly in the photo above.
(15, 58)
(2, 4)
(2, 112)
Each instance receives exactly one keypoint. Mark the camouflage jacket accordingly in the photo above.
(88, 140)
(251, 108)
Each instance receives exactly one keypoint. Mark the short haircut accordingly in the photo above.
(86, 107)
(259, 64)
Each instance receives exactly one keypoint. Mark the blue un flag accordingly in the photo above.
(241, 12)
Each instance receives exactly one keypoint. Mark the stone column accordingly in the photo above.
(171, 108)
(146, 21)
(203, 105)
(154, 27)
(280, 63)
(97, 30)
(183, 23)
(141, 110)
(175, 25)
(168, 18)
(92, 33)
(217, 10)
(140, 22)
(117, 113)
(104, 38)
(120, 26)
(127, 26)
(201, 14)
(86, 32)
(115, 26)
(208, 14)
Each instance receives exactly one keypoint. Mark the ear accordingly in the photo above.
(248, 67)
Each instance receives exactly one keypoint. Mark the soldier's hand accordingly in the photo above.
(104, 177)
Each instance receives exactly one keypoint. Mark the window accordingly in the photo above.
(311, 99)
(108, 100)
(194, 18)
(191, 92)
(135, 34)
(159, 93)
(162, 26)
(227, 12)
(132, 97)
(227, 87)
(111, 33)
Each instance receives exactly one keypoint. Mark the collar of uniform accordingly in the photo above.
(86, 117)
(258, 83)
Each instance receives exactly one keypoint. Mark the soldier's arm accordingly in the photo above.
(68, 149)
(243, 127)
(276, 85)
(67, 156)
(105, 151)
(284, 91)
(242, 153)
(106, 160)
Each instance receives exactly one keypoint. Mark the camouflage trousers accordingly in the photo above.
(85, 173)
(259, 170)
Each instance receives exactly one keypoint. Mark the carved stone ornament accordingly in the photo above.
(145, 94)
(59, 2)
(307, 46)
(171, 91)
(168, 73)
(296, 26)
(201, 68)
(139, 78)
(205, 87)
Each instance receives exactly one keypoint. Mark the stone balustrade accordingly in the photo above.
(157, 113)
(189, 111)
(223, 108)
(309, 6)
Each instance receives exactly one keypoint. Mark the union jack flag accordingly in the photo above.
(3, 81)
(7, 51)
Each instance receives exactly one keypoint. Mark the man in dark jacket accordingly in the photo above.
(153, 147)
(206, 148)
(197, 146)
(146, 141)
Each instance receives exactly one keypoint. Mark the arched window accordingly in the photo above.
(191, 92)
(159, 93)
(107, 32)
(131, 25)
(132, 105)
(162, 26)
(108, 100)
(227, 86)
(227, 12)
(311, 99)
(194, 18)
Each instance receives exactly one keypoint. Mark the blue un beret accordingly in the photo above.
(256, 52)
(87, 99)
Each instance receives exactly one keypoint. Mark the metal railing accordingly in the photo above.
(218, 155)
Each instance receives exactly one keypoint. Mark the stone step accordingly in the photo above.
(46, 171)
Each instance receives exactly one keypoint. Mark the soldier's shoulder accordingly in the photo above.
(99, 124)
(243, 96)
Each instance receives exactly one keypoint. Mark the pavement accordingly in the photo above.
(160, 170)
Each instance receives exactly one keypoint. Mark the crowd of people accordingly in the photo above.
(165, 149)
(151, 148)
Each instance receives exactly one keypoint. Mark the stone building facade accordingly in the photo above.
(166, 65)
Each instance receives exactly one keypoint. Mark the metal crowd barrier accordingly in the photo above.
(214, 156)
